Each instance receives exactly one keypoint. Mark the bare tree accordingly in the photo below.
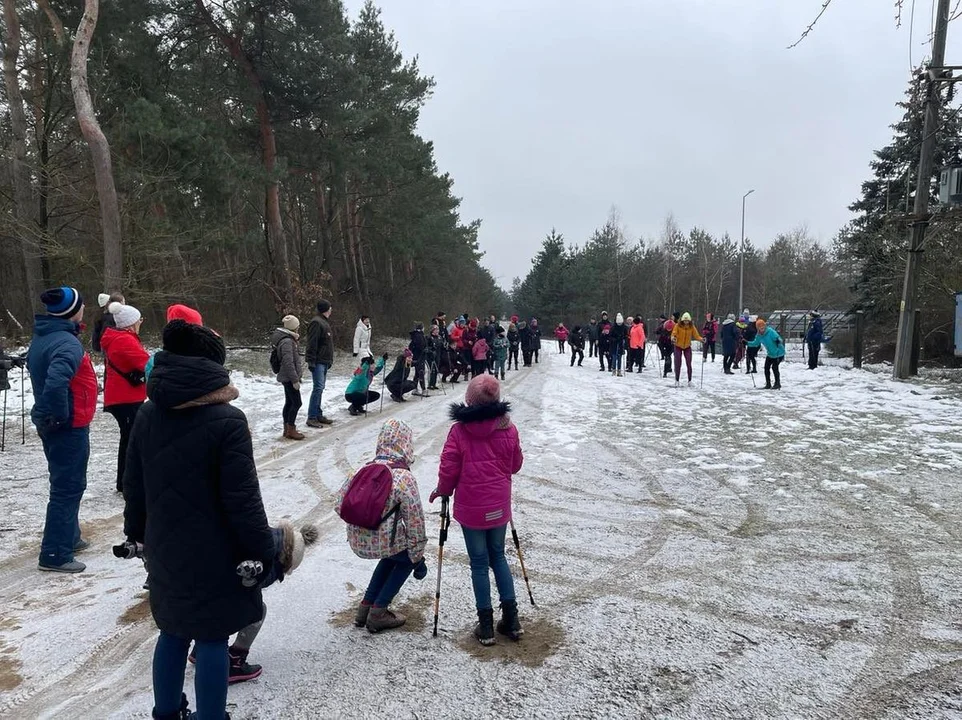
(99, 149)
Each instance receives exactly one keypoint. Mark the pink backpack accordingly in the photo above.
(367, 495)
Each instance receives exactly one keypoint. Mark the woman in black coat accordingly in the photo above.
(729, 335)
(193, 500)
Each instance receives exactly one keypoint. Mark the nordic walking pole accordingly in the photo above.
(383, 381)
(23, 409)
(442, 538)
(3, 432)
(524, 572)
(703, 361)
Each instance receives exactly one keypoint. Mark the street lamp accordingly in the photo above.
(741, 270)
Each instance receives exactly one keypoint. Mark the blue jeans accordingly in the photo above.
(388, 577)
(67, 453)
(319, 374)
(616, 351)
(486, 549)
(210, 676)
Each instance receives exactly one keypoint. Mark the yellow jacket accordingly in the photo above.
(682, 335)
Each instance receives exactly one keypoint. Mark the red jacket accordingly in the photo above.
(561, 333)
(123, 350)
(457, 334)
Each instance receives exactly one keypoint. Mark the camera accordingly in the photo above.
(129, 550)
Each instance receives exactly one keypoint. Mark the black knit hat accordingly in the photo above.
(182, 338)
(323, 306)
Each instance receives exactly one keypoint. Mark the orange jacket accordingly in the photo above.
(636, 337)
(682, 335)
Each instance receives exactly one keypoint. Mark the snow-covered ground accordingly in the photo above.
(694, 553)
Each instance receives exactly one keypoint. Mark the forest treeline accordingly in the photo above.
(264, 153)
(693, 270)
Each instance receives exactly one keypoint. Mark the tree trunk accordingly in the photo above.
(23, 206)
(275, 224)
(99, 150)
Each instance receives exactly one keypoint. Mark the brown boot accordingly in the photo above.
(294, 434)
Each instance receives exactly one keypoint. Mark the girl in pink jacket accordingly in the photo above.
(480, 455)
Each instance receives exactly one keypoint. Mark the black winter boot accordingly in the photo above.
(240, 670)
(181, 714)
(509, 625)
(484, 631)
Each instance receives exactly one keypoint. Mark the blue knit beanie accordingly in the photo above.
(62, 302)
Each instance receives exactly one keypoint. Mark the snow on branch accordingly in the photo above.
(811, 27)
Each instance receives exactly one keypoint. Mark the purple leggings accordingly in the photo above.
(678, 354)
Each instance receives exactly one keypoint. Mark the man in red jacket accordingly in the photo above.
(65, 398)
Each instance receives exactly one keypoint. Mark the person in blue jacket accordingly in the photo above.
(814, 337)
(775, 352)
(65, 398)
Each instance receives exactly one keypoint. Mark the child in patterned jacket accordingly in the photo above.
(397, 543)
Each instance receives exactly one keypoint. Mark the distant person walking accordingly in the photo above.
(682, 336)
(591, 335)
(814, 338)
(774, 350)
(561, 335)
(709, 333)
(729, 337)
(636, 344)
(577, 342)
(289, 370)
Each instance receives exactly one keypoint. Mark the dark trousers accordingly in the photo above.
(67, 453)
(358, 399)
(401, 389)
(210, 676)
(705, 347)
(751, 360)
(433, 378)
(535, 353)
(771, 367)
(666, 358)
(579, 352)
(513, 355)
(526, 356)
(602, 354)
(467, 361)
(728, 361)
(388, 577)
(419, 374)
(124, 414)
(591, 348)
(478, 367)
(292, 403)
(813, 349)
(641, 358)
(561, 346)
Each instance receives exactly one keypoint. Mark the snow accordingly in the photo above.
(702, 552)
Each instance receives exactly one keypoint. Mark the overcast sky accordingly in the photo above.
(549, 112)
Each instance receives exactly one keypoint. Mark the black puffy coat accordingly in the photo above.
(729, 336)
(418, 345)
(193, 499)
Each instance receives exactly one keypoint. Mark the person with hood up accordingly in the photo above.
(774, 351)
(480, 455)
(479, 360)
(284, 344)
(418, 347)
(176, 312)
(577, 342)
(64, 403)
(535, 339)
(747, 331)
(604, 341)
(432, 356)
(561, 335)
(194, 504)
(682, 336)
(591, 335)
(320, 359)
(709, 332)
(397, 543)
(729, 336)
(814, 338)
(358, 393)
(125, 378)
(397, 380)
(105, 320)
(362, 336)
(514, 344)
(636, 344)
(618, 343)
(663, 335)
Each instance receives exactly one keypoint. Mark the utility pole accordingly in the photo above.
(920, 213)
(741, 268)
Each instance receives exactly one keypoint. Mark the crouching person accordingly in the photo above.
(382, 507)
(480, 455)
(359, 393)
(194, 502)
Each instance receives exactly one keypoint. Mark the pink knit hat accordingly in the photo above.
(483, 390)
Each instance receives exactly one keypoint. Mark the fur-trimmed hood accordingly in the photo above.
(482, 420)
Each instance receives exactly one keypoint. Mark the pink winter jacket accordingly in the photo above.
(480, 349)
(481, 454)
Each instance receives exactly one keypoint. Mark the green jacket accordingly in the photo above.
(363, 376)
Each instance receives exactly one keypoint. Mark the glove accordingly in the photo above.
(778, 343)
(435, 494)
(129, 550)
(384, 357)
(420, 570)
(17, 362)
(355, 354)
